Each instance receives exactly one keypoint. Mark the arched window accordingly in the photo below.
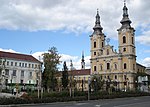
(115, 76)
(94, 44)
(125, 66)
(124, 49)
(132, 41)
(101, 67)
(133, 66)
(108, 65)
(125, 77)
(115, 66)
(124, 39)
(107, 51)
(102, 44)
(94, 68)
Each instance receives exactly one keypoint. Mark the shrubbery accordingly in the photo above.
(65, 96)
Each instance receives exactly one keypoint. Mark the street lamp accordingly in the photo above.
(74, 83)
(89, 89)
(95, 87)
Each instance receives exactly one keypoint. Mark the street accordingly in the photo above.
(118, 102)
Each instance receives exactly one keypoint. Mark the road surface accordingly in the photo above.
(118, 102)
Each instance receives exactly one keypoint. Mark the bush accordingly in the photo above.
(64, 97)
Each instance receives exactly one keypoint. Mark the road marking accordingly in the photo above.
(79, 104)
(97, 105)
(127, 105)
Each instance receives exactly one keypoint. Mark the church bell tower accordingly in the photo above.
(97, 43)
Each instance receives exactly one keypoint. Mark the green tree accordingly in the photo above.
(96, 83)
(50, 60)
(65, 76)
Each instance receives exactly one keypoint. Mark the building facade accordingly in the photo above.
(112, 66)
(19, 70)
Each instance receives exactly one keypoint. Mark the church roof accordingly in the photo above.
(80, 72)
(18, 56)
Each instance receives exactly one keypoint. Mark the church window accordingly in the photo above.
(108, 65)
(125, 66)
(124, 49)
(94, 44)
(101, 67)
(108, 77)
(101, 52)
(115, 76)
(124, 39)
(102, 44)
(107, 51)
(94, 68)
(132, 41)
(82, 66)
(94, 53)
(125, 77)
(133, 66)
(133, 50)
(115, 66)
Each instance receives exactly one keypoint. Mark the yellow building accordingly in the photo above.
(112, 66)
(78, 79)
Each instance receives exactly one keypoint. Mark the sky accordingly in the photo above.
(34, 26)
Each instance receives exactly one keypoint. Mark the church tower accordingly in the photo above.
(126, 34)
(82, 61)
(127, 55)
(97, 42)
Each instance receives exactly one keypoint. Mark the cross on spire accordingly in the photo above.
(124, 2)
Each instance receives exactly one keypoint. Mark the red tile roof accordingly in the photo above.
(17, 56)
(80, 72)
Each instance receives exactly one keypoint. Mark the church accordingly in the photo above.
(115, 69)
(120, 67)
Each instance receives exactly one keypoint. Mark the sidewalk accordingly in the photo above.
(8, 95)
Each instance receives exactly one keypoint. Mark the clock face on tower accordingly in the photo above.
(124, 30)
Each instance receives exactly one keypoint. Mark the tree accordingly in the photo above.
(65, 76)
(50, 60)
(96, 83)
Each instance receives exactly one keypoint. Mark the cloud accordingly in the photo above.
(8, 50)
(146, 61)
(144, 38)
(38, 55)
(76, 61)
(70, 16)
(64, 57)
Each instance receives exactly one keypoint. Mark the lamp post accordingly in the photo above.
(95, 87)
(70, 86)
(89, 82)
(74, 83)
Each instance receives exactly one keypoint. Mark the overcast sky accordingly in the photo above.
(32, 26)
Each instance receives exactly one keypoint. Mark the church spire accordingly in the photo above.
(82, 56)
(82, 61)
(125, 20)
(97, 28)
